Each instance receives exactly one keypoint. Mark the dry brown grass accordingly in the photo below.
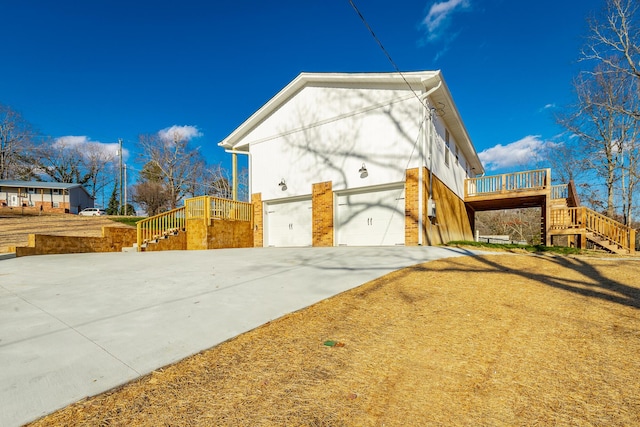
(487, 341)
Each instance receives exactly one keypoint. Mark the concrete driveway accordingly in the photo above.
(73, 326)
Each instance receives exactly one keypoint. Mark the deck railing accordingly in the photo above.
(159, 226)
(592, 222)
(208, 207)
(230, 209)
(518, 181)
(203, 207)
(196, 207)
(559, 191)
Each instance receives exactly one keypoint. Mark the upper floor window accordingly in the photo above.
(31, 190)
(55, 191)
(447, 148)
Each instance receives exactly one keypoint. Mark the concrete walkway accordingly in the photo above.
(73, 326)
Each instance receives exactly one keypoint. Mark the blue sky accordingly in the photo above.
(101, 70)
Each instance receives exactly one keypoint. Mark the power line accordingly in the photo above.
(393, 63)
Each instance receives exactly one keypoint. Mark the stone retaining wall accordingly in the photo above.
(113, 240)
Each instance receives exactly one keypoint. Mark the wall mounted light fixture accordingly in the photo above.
(283, 184)
(363, 171)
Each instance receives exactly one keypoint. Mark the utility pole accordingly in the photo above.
(125, 191)
(3, 148)
(120, 192)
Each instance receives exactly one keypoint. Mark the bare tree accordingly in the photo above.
(519, 224)
(153, 196)
(614, 38)
(180, 165)
(217, 182)
(602, 129)
(16, 145)
(630, 159)
(62, 162)
(98, 164)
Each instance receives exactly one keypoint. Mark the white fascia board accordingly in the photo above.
(456, 126)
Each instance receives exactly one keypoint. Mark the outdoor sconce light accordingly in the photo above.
(363, 171)
(283, 184)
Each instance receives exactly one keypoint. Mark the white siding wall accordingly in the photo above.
(454, 174)
(316, 137)
(326, 134)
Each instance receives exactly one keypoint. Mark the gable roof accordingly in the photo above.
(419, 81)
(43, 185)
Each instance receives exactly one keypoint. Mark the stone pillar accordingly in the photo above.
(411, 208)
(322, 214)
(258, 227)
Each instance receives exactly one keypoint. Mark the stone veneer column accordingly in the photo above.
(322, 214)
(411, 210)
(258, 229)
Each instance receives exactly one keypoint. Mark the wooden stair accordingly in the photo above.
(603, 243)
(562, 214)
(594, 229)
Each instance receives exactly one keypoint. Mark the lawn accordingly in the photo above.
(497, 340)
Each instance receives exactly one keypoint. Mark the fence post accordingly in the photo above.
(207, 209)
(547, 180)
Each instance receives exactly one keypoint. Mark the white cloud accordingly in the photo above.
(438, 18)
(547, 107)
(184, 132)
(525, 151)
(84, 145)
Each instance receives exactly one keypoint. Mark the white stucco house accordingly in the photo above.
(358, 159)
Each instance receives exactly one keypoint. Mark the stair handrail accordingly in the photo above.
(160, 225)
(201, 207)
(610, 229)
(591, 221)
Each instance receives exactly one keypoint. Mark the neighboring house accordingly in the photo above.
(45, 196)
(358, 159)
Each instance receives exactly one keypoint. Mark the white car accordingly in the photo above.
(92, 212)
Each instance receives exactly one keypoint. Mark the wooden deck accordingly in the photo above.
(561, 213)
(509, 191)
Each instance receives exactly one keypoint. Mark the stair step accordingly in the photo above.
(606, 244)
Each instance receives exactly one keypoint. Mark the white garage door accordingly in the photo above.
(289, 223)
(372, 218)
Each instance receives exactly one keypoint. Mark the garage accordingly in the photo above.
(373, 217)
(288, 223)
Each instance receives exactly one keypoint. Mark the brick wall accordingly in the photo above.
(47, 208)
(218, 234)
(258, 226)
(322, 214)
(229, 234)
(411, 208)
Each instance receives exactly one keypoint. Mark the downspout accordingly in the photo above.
(420, 177)
(428, 115)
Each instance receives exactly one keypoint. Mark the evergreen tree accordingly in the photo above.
(114, 203)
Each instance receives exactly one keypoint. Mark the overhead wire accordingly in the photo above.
(430, 110)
